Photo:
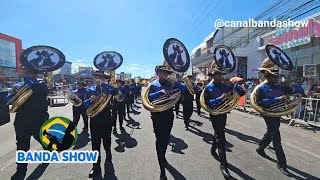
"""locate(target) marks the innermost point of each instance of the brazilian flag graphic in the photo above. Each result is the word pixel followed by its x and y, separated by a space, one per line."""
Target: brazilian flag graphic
pixel 58 133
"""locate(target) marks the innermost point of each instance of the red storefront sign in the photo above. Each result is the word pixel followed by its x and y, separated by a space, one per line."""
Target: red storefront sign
pixel 313 28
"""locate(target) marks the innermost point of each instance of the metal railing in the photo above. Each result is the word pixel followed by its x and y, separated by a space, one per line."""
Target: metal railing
pixel 54 101
pixel 307 113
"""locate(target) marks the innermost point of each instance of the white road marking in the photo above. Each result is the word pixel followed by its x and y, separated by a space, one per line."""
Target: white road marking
pixel 302 150
pixel 293 146
pixel 8 163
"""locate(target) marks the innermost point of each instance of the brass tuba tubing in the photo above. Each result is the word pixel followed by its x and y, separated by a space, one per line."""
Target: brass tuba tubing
pixel 21 97
pixel 162 103
pixel 225 106
pixel 74 99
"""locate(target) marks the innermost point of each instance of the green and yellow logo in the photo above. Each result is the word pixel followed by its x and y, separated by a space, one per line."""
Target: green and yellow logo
pixel 58 133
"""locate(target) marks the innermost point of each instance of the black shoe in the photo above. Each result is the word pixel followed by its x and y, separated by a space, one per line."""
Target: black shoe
pixel 262 153
pixel 224 171
pixel 94 171
pixel 19 175
pixel 284 171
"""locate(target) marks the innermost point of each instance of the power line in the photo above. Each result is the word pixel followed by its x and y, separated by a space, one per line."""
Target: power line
pixel 197 19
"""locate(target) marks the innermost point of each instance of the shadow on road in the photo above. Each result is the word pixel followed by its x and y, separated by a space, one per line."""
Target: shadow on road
pixel 195 123
pixel 174 172
pixel 132 123
pixel 239 172
pixel 38 172
pixel 136 106
pixel 228 146
pixel 177 145
pixel 243 137
pixel 206 137
pixel 233 168
pixel 83 140
pixel 124 141
pixel 297 174
pixel 205 117
pixel 135 112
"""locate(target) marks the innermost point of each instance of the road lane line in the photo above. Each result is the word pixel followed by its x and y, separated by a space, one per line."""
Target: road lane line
pixel 293 146
pixel 8 163
pixel 308 152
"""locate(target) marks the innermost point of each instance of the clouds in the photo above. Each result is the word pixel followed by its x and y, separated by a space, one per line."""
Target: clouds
pixel 136 70
pixel 132 67
pixel 142 70
pixel 78 63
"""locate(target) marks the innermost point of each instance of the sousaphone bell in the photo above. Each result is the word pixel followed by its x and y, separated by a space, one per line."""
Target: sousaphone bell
pixel 107 61
pixel 39 59
pixel 276 59
pixel 176 59
pixel 224 61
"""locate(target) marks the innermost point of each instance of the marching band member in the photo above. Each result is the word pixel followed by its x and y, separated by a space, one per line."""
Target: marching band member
pixel 118 108
pixel 128 92
pixel 198 91
pixel 215 93
pixel 132 94
pixel 101 124
pixel 29 116
pixel 81 92
pixel 138 91
pixel 187 104
pixel 162 121
pixel 268 94
pixel 177 107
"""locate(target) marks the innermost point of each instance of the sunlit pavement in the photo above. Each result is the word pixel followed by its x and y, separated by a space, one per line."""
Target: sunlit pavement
pixel 188 153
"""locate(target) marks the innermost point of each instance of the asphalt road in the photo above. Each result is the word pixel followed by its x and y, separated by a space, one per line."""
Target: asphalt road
pixel 134 155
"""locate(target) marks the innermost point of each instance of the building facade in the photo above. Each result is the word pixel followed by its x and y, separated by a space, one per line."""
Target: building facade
pixel 123 76
pixel 301 44
pixel 10 50
pixel 84 74
pixel 63 73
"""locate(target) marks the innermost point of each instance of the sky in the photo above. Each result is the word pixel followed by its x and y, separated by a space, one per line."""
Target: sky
pixel 136 29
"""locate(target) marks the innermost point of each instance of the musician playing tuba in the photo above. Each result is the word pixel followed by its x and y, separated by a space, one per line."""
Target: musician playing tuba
pixel 217 92
pixel 101 121
pixel 162 94
pixel 272 99
pixel 219 97
pixel 99 106
pixel 198 90
pixel 163 120
pixel 30 104
pixel 81 93
pixel 118 107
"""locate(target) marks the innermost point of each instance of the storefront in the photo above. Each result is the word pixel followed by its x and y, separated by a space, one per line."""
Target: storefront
pixel 302 45
pixel 246 53
pixel 10 50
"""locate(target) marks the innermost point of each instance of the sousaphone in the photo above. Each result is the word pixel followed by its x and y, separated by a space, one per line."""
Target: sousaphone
pixel 225 62
pixel 39 59
pixel 107 61
pixel 277 59
pixel 177 59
